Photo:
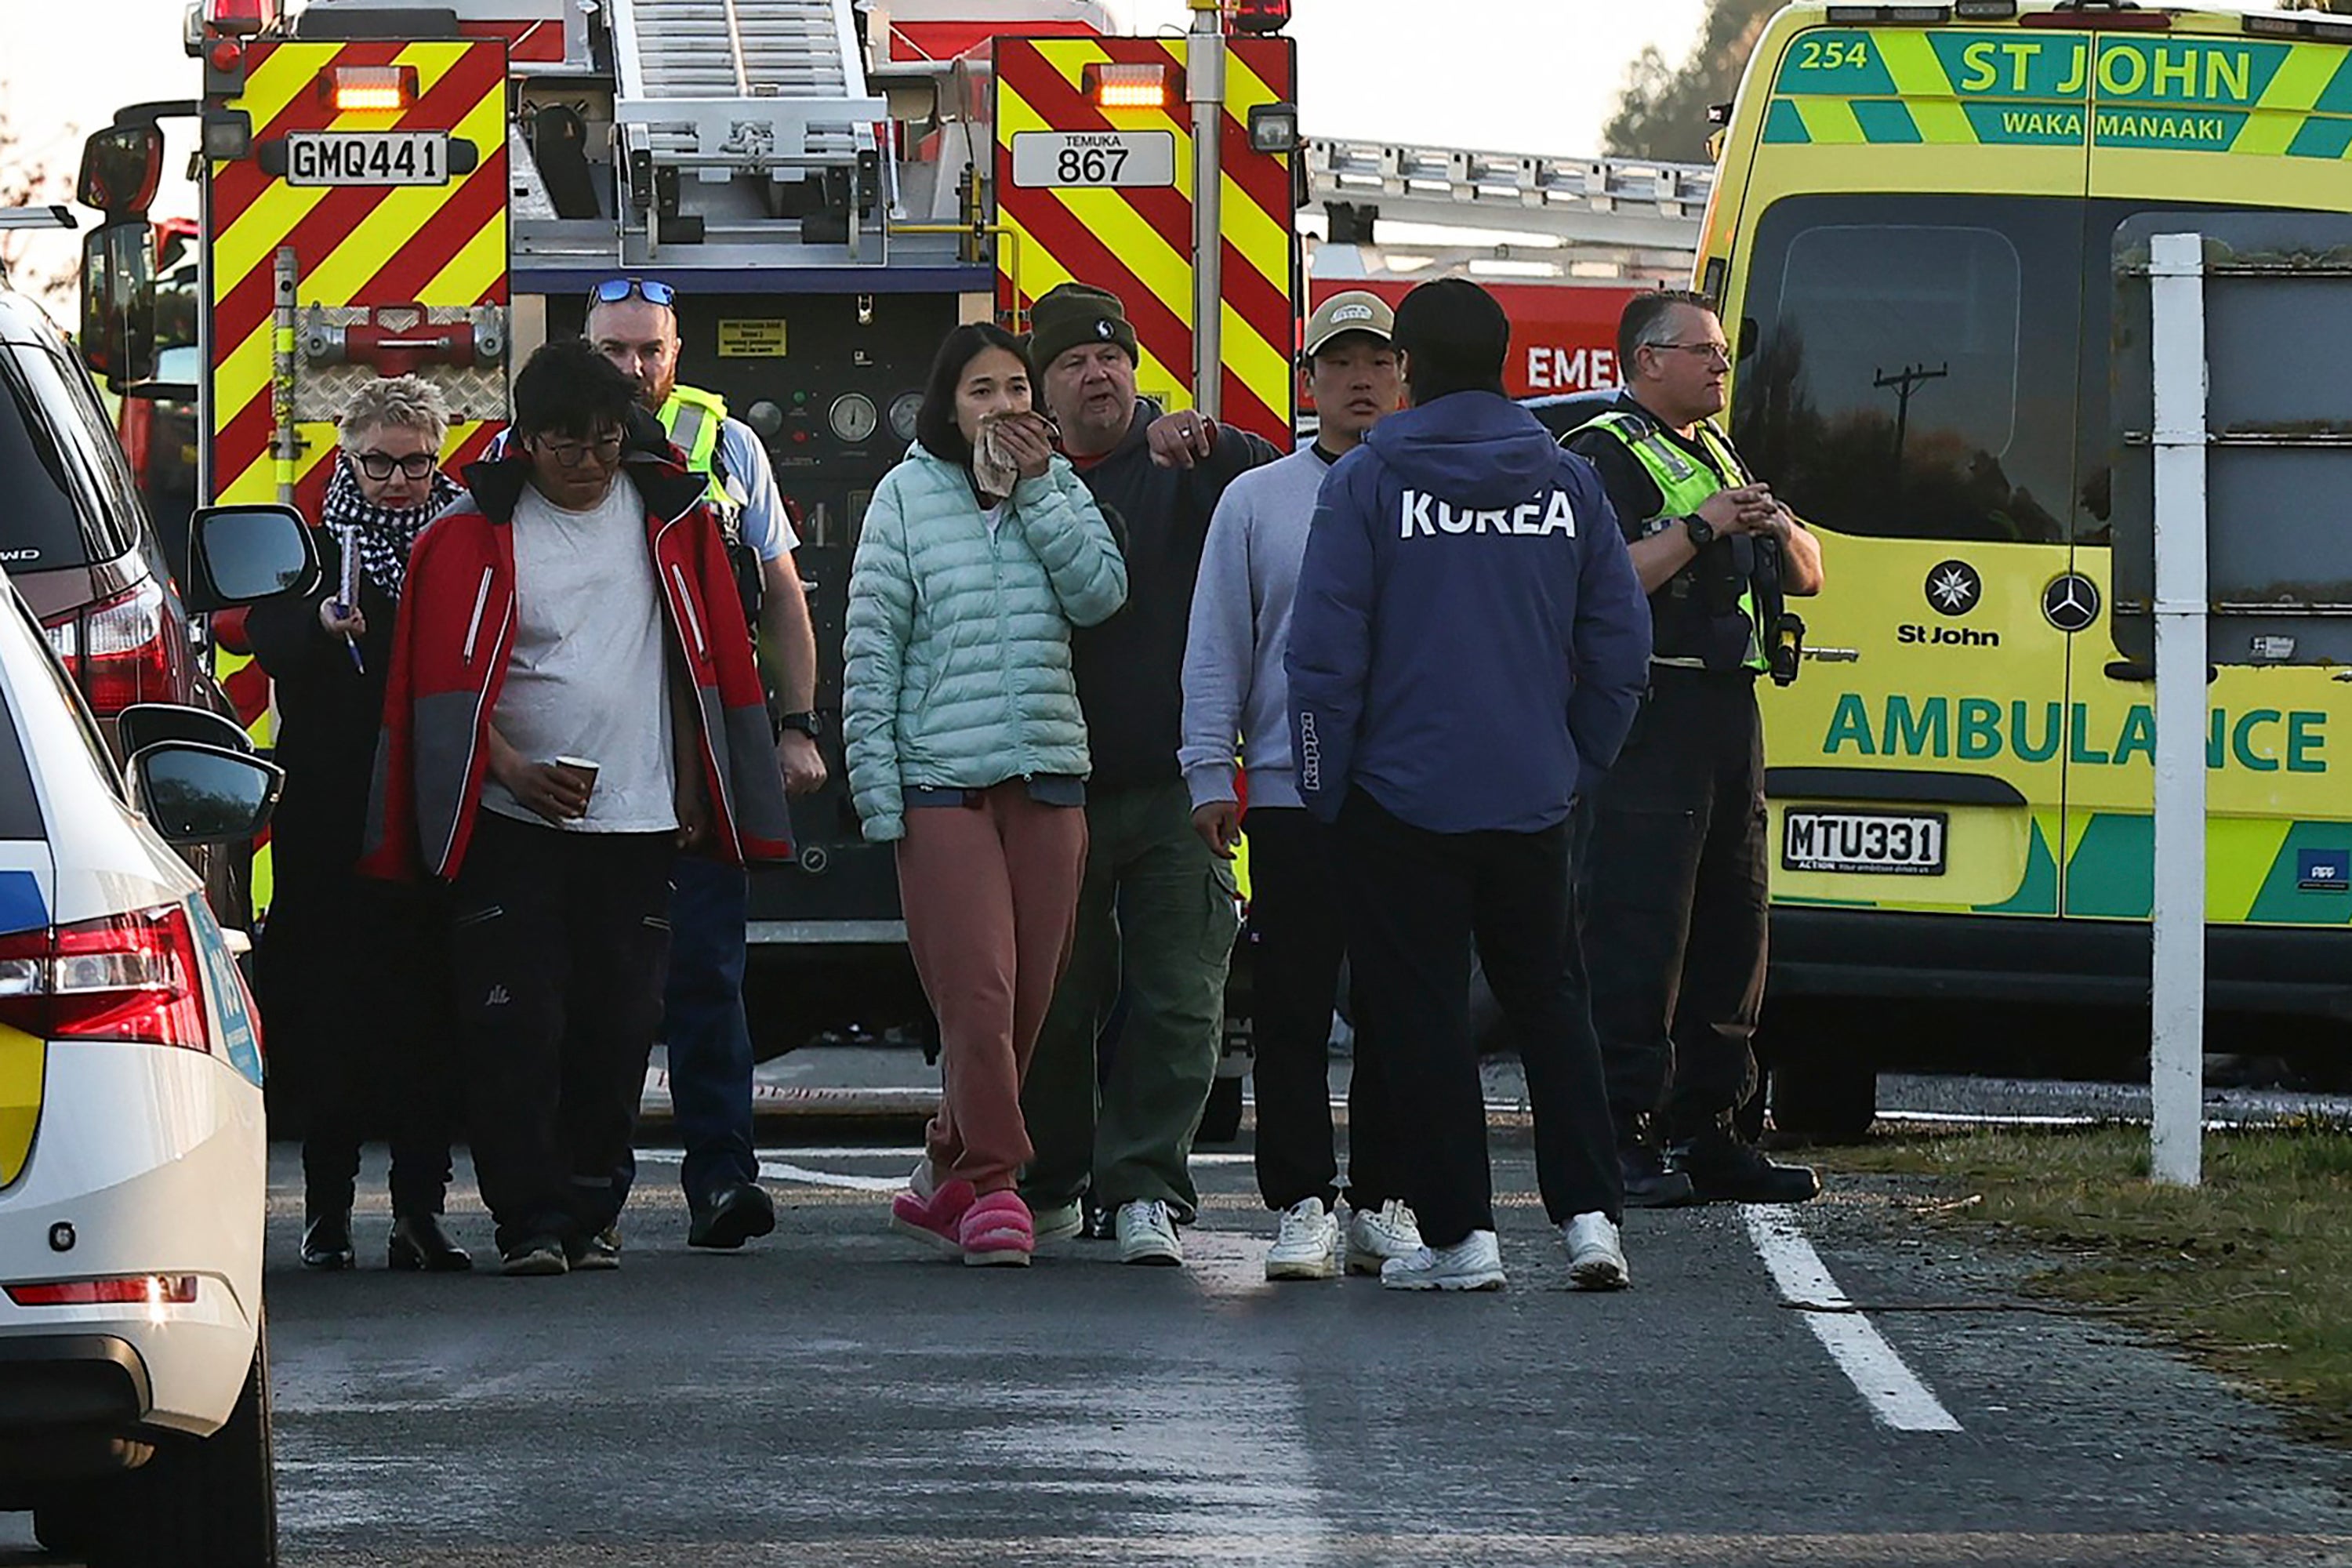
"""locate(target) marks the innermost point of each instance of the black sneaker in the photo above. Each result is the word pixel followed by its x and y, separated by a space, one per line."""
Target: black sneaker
pixel 732 1215
pixel 1725 1168
pixel 591 1254
pixel 1651 1182
pixel 535 1255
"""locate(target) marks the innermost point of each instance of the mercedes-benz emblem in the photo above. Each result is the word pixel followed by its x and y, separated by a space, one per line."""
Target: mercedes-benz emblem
pixel 1954 588
pixel 2070 603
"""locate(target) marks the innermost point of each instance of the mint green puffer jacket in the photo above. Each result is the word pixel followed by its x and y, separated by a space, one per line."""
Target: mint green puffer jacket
pixel 958 638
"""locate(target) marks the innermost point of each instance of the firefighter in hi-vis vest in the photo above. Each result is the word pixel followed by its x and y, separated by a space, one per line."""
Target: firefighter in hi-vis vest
pixel 632 322
pixel 1677 872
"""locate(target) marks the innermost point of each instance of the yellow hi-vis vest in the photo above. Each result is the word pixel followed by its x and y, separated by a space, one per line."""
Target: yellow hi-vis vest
pixel 693 419
pixel 1685 484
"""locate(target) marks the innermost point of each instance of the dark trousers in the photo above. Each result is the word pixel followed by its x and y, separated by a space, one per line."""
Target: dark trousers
pixel 374 1034
pixel 558 945
pixel 1416 901
pixel 1676 903
pixel 704 1027
pixel 1298 936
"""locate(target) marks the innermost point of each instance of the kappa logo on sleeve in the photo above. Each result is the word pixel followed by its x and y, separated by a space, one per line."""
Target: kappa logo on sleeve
pixel 1425 516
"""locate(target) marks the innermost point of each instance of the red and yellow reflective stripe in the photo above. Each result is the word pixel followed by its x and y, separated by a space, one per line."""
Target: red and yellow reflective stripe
pixel 1137 242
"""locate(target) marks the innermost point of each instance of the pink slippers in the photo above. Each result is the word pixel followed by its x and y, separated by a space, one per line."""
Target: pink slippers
pixel 933 1217
pixel 986 1231
pixel 997 1229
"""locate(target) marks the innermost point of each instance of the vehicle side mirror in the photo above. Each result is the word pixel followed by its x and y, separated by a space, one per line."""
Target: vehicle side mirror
pixel 145 724
pixel 195 794
pixel 117 301
pixel 240 554
pixel 120 168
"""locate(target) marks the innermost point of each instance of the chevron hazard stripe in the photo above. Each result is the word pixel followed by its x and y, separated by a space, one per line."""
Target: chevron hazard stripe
pixel 1137 240
pixel 353 245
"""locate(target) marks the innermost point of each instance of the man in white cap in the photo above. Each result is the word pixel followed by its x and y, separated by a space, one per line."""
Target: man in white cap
pixel 1235 686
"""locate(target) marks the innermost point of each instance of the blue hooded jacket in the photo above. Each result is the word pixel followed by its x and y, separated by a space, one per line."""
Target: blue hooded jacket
pixel 1469 643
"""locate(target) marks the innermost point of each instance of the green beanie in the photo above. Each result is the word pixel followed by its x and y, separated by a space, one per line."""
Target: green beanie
pixel 1073 315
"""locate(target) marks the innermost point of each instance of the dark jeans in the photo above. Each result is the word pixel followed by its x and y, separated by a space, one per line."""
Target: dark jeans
pixel 1416 901
pixel 560 941
pixel 1676 901
pixel 703 1025
pixel 379 1044
pixel 1297 935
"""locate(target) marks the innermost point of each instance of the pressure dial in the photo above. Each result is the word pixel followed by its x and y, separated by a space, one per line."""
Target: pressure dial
pixel 854 417
pixel 905 409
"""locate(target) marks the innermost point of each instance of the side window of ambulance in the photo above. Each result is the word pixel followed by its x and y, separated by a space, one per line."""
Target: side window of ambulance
pixel 1914 367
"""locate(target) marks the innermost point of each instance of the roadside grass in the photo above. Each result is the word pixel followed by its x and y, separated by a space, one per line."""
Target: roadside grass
pixel 2251 1273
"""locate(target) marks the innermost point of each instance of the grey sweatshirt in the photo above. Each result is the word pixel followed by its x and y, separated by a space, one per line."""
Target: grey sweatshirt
pixel 1233 683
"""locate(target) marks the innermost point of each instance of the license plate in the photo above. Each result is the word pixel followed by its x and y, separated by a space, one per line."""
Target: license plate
pixel 1874 843
pixel 367 158
pixel 1115 159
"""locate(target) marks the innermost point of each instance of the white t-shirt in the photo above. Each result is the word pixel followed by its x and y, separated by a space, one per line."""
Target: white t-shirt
pixel 589 676
pixel 992 515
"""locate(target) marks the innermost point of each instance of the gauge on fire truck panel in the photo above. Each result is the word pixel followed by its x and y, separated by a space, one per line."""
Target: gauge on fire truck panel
pixel 905 409
pixel 853 417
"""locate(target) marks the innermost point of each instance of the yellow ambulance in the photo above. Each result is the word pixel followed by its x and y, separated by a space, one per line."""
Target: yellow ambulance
pixel 1916 240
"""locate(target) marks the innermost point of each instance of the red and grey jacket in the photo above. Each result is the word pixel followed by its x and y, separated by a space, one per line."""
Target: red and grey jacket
pixel 455 634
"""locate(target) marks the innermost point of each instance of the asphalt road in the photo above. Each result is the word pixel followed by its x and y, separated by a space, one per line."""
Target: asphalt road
pixel 832 1396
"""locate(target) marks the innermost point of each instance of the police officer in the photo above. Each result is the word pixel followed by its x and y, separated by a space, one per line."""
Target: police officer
pixel 1467 642
pixel 1677 890
pixel 632 322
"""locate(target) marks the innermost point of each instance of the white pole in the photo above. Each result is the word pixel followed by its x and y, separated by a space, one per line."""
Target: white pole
pixel 1204 84
pixel 2177 1046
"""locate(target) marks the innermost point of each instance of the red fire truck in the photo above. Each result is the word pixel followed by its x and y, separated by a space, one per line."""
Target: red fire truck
pixel 390 186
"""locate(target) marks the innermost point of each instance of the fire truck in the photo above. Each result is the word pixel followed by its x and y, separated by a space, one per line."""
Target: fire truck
pixel 388 187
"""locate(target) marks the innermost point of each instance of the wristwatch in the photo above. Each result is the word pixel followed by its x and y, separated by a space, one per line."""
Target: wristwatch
pixel 1700 531
pixel 811 723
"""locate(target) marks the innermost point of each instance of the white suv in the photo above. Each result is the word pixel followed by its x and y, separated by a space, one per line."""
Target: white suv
pixel 134 1399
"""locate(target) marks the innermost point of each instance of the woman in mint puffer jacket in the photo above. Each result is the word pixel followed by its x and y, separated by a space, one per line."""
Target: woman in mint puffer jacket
pixel 967 749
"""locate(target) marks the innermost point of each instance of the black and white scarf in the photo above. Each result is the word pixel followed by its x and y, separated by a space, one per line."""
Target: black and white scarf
pixel 383 536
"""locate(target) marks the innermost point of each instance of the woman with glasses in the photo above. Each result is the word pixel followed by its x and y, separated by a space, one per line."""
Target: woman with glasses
pixel 968 750
pixel 349 968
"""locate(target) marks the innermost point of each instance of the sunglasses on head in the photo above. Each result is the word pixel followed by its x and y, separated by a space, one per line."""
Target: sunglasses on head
pixel 612 290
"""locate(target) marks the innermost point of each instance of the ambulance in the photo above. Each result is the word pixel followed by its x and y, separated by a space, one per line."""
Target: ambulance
pixel 1925 220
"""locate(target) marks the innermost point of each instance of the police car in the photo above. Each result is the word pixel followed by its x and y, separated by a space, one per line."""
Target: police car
pixel 134 1401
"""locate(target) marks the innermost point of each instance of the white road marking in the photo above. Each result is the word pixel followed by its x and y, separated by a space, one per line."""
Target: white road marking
pixel 1894 1391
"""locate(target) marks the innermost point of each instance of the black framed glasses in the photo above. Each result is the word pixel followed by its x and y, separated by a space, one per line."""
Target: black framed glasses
pixel 652 290
pixel 573 454
pixel 381 465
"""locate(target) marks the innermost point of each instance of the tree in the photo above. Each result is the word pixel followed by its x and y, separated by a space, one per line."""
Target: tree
pixel 35 260
pixel 1661 110
pixel 2318 5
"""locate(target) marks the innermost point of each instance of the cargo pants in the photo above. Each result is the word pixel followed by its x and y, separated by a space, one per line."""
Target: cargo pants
pixel 1156 925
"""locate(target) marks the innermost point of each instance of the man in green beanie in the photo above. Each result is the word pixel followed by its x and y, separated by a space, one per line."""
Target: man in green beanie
pixel 1157 914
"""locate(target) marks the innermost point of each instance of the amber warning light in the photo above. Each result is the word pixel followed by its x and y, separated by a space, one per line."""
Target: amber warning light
pixel 372 90
pixel 1114 85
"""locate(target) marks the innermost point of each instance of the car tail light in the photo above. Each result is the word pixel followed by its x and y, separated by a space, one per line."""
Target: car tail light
pixel 136 1290
pixel 130 977
pixel 120 651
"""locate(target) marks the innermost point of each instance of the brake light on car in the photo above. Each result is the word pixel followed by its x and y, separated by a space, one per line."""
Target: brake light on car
pixel 134 1290
pixel 119 650
pixel 130 977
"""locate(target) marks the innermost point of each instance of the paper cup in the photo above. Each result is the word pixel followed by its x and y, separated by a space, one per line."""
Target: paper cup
pixel 582 767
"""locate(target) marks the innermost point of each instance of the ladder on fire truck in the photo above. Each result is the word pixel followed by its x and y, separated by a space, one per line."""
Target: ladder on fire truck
pixel 1573 217
pixel 729 109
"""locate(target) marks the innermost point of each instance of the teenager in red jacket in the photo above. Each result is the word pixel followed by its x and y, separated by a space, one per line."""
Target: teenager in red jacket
pixel 572 702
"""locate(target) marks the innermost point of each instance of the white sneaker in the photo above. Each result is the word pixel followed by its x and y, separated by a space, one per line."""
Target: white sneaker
pixel 1145 1233
pixel 1375 1235
pixel 1059 1222
pixel 1308 1244
pixel 1596 1259
pixel 1473 1262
